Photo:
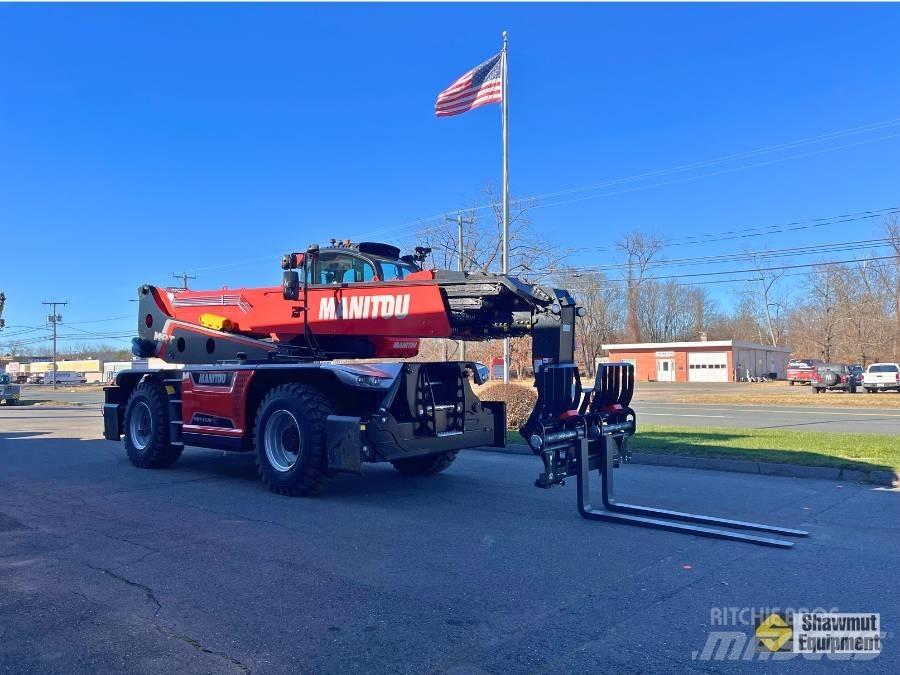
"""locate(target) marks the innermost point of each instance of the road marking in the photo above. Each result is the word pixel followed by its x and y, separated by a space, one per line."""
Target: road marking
pixel 783 411
pixel 646 414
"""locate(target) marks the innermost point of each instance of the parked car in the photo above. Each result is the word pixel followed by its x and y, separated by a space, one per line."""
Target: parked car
pixel 858 372
pixel 882 377
pixel 35 378
pixel 9 392
pixel 802 370
pixel 833 377
pixel 64 377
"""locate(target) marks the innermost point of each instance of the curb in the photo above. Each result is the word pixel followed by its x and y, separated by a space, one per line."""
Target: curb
pixel 878 477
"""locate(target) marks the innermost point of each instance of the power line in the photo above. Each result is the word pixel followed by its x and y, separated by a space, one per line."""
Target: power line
pixel 648 174
pixel 766 230
pixel 719 173
pixel 773 268
pixel 685 167
pixel 835 247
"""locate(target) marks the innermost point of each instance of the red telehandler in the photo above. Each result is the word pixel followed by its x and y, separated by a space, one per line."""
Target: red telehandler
pixel 263 373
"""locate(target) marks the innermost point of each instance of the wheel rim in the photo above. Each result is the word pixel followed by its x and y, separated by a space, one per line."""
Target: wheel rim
pixel 282 440
pixel 140 428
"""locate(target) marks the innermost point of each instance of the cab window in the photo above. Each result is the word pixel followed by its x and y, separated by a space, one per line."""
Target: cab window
pixel 341 268
pixel 392 270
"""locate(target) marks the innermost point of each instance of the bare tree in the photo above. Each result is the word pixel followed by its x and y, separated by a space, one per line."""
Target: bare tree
pixel 529 254
pixel 602 322
pixel 766 292
pixel 639 250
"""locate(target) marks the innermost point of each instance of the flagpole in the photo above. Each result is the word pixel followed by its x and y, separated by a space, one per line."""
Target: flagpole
pixel 504 108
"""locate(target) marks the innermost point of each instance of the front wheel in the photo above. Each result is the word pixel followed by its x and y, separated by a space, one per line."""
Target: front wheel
pixel 147 427
pixel 425 465
pixel 290 443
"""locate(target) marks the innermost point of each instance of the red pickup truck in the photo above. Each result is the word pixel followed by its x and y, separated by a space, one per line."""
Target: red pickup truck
pixel 802 370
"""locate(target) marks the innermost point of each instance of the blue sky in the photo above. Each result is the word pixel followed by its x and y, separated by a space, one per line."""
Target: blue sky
pixel 136 141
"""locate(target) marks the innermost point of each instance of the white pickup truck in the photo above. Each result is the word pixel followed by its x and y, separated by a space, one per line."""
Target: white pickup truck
pixel 9 392
pixel 881 377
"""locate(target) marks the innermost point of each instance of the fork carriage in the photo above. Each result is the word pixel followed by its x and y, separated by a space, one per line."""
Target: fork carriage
pixel 575 431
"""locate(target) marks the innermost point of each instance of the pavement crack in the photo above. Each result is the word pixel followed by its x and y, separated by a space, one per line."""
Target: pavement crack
pixel 206 650
pixel 148 592
pixel 125 540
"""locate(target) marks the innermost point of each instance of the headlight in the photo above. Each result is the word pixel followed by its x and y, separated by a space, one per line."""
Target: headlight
pixel 368 380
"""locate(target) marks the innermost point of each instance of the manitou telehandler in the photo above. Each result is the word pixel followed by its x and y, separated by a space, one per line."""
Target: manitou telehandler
pixel 262 373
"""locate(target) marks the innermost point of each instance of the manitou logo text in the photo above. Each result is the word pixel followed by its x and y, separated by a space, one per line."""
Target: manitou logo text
pixel 212 379
pixel 365 307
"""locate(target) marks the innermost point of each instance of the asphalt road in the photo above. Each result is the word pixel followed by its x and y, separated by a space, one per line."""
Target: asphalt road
pixel 799 418
pixel 198 569
pixel 653 411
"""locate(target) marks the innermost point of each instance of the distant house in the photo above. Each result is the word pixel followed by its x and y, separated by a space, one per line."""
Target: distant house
pixel 703 361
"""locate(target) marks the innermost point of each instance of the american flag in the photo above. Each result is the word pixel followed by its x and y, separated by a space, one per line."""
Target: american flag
pixel 480 86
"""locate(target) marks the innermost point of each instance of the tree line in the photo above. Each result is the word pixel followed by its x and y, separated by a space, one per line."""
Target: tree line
pixel 834 311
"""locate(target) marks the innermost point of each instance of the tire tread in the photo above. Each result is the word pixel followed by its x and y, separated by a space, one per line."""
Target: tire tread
pixel 315 476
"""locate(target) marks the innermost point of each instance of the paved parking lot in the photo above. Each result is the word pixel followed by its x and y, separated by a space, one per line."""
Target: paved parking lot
pixel 106 568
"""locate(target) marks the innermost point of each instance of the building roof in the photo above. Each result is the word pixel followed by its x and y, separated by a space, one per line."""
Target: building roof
pixel 728 344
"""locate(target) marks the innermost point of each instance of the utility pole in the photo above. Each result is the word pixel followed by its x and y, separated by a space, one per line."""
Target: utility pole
pixel 184 276
pixel 459 220
pixel 54 318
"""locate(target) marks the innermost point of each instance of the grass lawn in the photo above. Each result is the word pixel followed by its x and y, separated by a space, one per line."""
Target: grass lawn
pixel 865 452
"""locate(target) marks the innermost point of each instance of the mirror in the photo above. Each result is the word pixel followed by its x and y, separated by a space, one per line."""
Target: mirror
pixel 290 285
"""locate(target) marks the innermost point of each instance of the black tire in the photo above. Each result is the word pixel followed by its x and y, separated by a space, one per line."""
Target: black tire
pixel 305 432
pixel 426 464
pixel 791 382
pixel 816 390
pixel 149 447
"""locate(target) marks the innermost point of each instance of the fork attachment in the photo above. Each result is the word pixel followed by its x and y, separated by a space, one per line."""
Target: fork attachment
pixel 576 431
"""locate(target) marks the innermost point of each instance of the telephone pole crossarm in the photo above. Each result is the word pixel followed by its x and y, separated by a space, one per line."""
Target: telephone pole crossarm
pixel 55 319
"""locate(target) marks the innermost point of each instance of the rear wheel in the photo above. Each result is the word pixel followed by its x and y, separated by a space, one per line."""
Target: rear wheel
pixel 791 382
pixel 147 427
pixel 291 451
pixel 425 465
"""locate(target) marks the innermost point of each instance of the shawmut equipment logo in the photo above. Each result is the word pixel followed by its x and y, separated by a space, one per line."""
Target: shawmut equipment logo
pixel 394 306
pixel 773 633
pixel 782 634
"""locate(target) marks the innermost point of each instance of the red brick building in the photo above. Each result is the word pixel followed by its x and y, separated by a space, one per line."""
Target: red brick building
pixel 705 361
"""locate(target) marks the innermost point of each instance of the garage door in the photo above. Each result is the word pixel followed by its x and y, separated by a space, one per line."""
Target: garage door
pixel 708 367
